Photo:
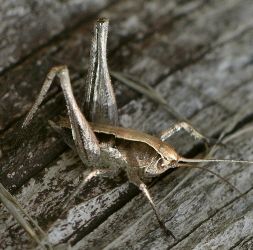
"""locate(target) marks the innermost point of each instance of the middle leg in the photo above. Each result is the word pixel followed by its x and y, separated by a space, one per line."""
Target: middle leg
pixel 86 180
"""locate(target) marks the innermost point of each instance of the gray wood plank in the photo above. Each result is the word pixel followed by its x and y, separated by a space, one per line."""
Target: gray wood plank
pixel 27 25
pixel 201 62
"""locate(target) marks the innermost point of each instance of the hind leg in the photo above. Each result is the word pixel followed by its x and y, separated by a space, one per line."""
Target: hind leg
pixel 99 104
pixel 85 140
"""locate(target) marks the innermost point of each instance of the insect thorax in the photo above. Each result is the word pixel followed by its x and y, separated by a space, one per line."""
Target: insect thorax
pixel 119 153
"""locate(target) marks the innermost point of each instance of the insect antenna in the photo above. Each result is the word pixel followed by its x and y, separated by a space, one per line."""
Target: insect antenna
pixel 213 173
pixel 182 159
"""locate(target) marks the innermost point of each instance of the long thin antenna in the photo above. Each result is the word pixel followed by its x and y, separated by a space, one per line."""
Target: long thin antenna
pixel 214 173
pixel 182 159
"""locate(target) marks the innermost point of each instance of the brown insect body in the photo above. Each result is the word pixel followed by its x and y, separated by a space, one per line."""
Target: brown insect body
pixel 147 152
pixel 166 152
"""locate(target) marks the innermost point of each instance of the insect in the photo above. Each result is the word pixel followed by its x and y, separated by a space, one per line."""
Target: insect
pixel 96 135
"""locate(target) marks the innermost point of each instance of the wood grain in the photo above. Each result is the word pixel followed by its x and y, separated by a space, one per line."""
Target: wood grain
pixel 197 55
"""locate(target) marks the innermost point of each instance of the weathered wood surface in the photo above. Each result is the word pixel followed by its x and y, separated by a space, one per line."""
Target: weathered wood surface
pixel 197 54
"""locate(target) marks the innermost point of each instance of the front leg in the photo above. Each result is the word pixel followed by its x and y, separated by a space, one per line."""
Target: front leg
pixel 135 179
pixel 164 135
pixel 85 140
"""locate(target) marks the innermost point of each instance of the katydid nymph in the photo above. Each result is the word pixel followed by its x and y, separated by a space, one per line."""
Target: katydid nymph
pixel 96 135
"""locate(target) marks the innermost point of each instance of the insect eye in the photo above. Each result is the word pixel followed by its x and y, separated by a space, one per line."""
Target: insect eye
pixel 161 166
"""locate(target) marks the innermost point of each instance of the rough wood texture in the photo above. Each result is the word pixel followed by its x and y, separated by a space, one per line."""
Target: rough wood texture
pixel 197 54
